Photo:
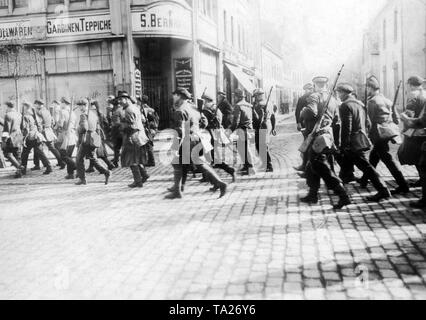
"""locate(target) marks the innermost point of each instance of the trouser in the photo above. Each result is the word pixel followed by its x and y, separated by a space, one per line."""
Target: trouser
pixel 38 151
pixel 215 156
pixel 244 150
pixel 319 168
pixel 150 154
pixel 66 156
pixel 181 173
pixel 359 159
pixel 53 150
pixel 421 168
pixel 117 141
pixel 260 138
pixel 381 152
pixel 139 173
pixel 14 156
pixel 347 169
pixel 87 152
pixel 105 160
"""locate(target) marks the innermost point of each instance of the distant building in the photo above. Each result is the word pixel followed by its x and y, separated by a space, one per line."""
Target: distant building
pixel 394 44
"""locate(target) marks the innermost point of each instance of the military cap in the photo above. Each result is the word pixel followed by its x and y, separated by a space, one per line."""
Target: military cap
pixel 373 83
pixel 125 95
pixel 145 98
pixel 65 101
pixel 26 103
pixel 320 79
pixel 221 93
pixel 258 92
pixel 110 98
pixel 416 81
pixel 39 102
pixel 239 93
pixel 55 102
pixel 82 102
pixel 308 86
pixel 183 93
pixel 345 87
pixel 10 104
pixel 207 97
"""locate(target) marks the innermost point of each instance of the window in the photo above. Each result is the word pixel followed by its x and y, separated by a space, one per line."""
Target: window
pixel 385 80
pixel 88 57
pixel 4 4
pixel 55 1
pixel 384 34
pixel 232 31
pixel 395 26
pixel 225 26
pixel 20 3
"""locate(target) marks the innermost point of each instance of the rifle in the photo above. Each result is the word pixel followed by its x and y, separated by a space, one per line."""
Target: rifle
pixel 395 100
pixel 274 133
pixel 310 139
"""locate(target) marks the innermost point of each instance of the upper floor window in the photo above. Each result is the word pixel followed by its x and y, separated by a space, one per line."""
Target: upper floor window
pixel 55 1
pixel 395 25
pixel 384 34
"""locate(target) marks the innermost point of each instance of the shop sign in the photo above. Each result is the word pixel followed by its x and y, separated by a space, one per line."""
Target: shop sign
pixel 83 25
pixel 163 20
pixel 183 72
pixel 138 84
pixel 55 27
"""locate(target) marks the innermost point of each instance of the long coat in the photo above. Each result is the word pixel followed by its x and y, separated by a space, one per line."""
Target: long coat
pixel 353 115
pixel 135 139
pixel 380 112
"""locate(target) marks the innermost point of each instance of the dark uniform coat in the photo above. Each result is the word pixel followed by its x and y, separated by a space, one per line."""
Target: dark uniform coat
pixel 301 104
pixel 243 116
pixel 380 112
pixel 227 111
pixel 353 116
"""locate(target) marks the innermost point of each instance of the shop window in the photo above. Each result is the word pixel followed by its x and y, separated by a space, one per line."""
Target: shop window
pixel 20 3
pixel 79 58
pixel 4 4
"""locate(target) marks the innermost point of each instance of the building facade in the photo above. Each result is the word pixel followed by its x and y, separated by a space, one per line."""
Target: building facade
pixel 394 45
pixel 94 48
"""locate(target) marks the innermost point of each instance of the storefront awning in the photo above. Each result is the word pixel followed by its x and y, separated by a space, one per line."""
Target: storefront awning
pixel 242 78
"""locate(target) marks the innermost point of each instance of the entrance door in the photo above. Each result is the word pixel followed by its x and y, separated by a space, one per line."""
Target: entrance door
pixel 156 90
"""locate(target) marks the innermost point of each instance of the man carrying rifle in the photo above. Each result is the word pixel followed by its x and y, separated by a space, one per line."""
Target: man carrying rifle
pixel 67 136
pixel 384 119
pixel 89 141
pixel 264 126
pixel 12 137
pixel 354 140
pixel 44 121
pixel 320 116
pixel 33 139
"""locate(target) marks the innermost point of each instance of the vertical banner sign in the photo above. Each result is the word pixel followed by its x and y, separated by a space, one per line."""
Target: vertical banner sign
pixel 138 84
pixel 183 72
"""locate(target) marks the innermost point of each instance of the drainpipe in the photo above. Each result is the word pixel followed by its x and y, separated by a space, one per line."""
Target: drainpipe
pixel 194 49
pixel 403 55
pixel 130 47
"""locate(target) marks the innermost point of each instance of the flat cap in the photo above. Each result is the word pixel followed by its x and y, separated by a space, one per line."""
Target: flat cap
pixel 320 79
pixel 55 102
pixel 345 87
pixel 183 93
pixel 39 102
pixel 65 101
pixel 26 103
pixel 373 83
pixel 221 93
pixel 239 93
pixel 308 86
pixel 110 98
pixel 207 97
pixel 10 104
pixel 258 92
pixel 416 81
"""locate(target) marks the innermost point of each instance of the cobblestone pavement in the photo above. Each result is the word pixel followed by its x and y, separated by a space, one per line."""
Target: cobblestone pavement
pixel 65 242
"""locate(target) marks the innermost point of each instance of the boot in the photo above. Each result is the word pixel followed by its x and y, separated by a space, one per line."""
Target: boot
pixel 82 182
pixel 108 175
pixel 136 177
pixel 344 199
pixel 300 168
pixel 18 174
pixel 215 180
pixel 36 168
pixel 144 174
pixel 421 204
pixel 176 191
pixel 90 169
pixel 400 191
pixel 70 177
pixel 48 171
pixel 311 198
pixel 381 195
pixel 363 183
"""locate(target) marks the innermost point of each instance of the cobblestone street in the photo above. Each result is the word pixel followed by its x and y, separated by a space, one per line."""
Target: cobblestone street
pixel 65 242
